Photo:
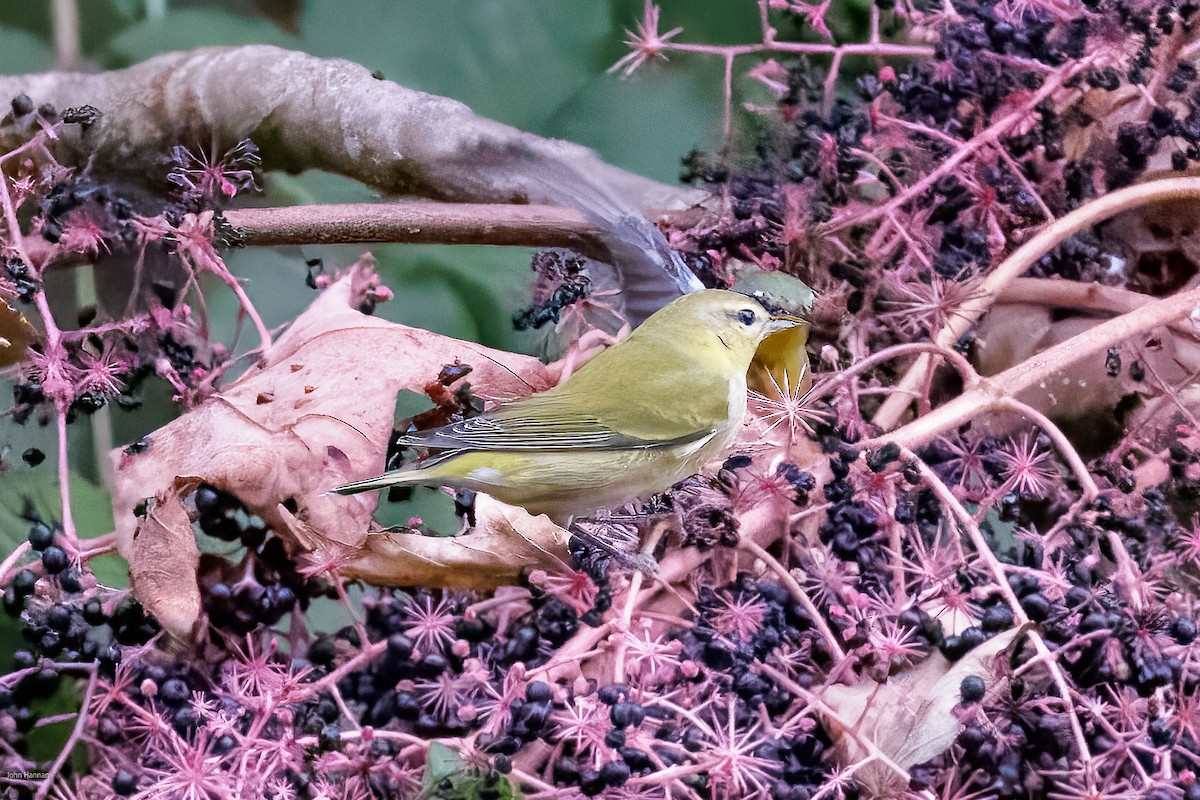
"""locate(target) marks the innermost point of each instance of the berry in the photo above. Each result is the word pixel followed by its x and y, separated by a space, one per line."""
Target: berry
pixel 124 783
pixel 330 738
pixel 175 691
pixel 878 460
pixel 58 618
pixel 624 715
pixel 1183 630
pixel 24 583
pixel 611 693
pixel 399 647
pixel 971 637
pixel 54 560
pixel 41 536
pixel 615 773
pixel 1036 607
pixel 209 499
pixel 997 618
pixel 972 689
pixel 539 692
pixel 322 651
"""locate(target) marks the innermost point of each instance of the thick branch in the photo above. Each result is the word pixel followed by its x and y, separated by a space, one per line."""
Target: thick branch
pixel 312 113
pixel 1076 296
pixel 1073 295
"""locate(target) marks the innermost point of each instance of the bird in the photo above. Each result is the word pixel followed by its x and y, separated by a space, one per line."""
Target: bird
pixel 639 417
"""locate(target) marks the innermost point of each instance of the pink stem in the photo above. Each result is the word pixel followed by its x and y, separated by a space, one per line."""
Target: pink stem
pixel 64 484
pixel 248 308
pixel 943 493
pixel 854 49
pixel 12 560
pixel 53 343
pixel 65 753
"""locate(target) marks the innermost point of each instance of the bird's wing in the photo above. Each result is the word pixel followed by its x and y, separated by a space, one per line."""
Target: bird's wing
pixel 542 423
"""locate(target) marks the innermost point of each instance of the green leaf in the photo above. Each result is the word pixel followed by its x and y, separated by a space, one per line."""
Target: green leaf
pixel 512 60
pixel 99 21
pixel 464 292
pixel 707 21
pixel 46 742
pixel 646 123
pixel 187 29
pixel 90 505
pixel 91 508
pixel 440 762
pixel 22 52
pixel 313 186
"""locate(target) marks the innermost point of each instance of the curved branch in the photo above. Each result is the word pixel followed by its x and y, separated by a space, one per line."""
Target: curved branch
pixel 1076 296
pixel 1025 256
pixel 1037 368
pixel 313 113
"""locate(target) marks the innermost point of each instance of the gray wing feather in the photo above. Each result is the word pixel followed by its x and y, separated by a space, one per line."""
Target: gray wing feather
pixel 524 433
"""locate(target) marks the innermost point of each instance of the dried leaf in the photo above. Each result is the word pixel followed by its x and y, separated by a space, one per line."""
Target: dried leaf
pixel 909 717
pixel 505 543
pixel 314 414
pixel 163 558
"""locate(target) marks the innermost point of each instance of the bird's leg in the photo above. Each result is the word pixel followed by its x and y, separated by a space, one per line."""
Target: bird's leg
pixel 632 541
pixel 618 536
pixel 656 531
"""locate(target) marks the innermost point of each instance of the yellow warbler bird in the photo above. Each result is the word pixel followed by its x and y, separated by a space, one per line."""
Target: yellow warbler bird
pixel 636 419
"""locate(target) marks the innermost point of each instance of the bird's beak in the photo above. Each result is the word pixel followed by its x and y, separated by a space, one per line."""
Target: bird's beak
pixel 781 322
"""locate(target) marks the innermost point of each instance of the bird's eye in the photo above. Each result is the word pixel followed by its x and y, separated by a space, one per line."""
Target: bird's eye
pixel 746 316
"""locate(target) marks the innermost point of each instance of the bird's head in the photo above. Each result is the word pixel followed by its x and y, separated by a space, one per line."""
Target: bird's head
pixel 735 323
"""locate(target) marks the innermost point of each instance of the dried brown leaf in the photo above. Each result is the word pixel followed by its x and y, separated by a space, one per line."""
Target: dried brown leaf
pixel 908 718
pixel 314 414
pixel 505 543
pixel 163 558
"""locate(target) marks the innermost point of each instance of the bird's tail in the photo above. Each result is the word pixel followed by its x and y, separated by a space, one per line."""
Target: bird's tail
pixel 399 477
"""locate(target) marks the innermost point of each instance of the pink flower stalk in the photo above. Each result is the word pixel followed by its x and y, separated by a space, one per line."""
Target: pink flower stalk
pixel 574 587
pixel 646 43
pixel 84 234
pixel 59 378
pixel 814 15
pixel 200 177
pixel 430 625
pixel 1027 468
